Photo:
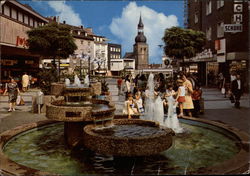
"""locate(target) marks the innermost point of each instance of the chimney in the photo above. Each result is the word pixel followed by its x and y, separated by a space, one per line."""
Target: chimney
pixel 64 22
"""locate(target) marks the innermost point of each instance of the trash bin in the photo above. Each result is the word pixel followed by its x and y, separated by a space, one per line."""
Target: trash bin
pixel 39 100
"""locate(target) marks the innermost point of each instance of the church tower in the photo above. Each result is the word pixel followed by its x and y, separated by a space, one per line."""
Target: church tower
pixel 141 48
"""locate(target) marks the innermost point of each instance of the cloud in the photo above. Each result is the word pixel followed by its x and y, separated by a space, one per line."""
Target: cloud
pixel 155 23
pixel 65 12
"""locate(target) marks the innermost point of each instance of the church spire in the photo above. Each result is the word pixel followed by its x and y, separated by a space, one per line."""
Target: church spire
pixel 140 36
pixel 140 24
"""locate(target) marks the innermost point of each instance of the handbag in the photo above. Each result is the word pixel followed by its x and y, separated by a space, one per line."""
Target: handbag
pixel 223 90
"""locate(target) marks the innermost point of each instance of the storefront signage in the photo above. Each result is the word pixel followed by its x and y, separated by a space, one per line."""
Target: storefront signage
pixel 221 58
pixel 21 42
pixel 232 27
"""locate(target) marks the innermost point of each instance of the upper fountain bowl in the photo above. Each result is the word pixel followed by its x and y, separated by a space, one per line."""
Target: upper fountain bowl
pixel 128 138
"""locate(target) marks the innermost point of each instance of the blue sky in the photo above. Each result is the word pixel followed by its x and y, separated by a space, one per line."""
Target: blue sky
pixel 117 20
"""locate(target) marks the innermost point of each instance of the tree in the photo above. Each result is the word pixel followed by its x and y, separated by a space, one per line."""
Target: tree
pixel 51 41
pixel 183 43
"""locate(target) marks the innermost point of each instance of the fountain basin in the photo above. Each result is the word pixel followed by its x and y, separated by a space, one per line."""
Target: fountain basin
pixel 77 112
pixel 50 156
pixel 128 138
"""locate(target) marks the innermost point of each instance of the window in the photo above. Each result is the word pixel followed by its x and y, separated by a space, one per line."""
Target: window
pixel 220 3
pixel 6 10
pixel 208 7
pixel 196 18
pixel 220 29
pixel 31 22
pixel 13 13
pixel 20 16
pixel 35 24
pixel 209 33
pixel 26 19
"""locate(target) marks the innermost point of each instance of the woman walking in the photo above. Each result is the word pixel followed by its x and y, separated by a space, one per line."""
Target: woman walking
pixel 13 91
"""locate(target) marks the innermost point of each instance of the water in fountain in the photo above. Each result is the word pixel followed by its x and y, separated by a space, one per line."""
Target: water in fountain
pixel 150 99
pixel 77 81
pixel 67 82
pixel 172 120
pixel 158 110
pixel 86 81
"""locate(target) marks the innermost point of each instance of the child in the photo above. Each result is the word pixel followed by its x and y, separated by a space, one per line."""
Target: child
pixel 130 107
pixel 180 96
pixel 138 102
pixel 196 96
pixel 169 93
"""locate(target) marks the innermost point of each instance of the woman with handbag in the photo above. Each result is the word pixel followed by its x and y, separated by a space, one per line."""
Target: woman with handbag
pixel 13 91
pixel 188 104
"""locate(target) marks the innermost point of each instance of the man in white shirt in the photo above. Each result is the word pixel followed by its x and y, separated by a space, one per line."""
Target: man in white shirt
pixel 237 86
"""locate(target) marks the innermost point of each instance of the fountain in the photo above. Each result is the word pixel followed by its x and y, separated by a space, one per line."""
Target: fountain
pixel 100 144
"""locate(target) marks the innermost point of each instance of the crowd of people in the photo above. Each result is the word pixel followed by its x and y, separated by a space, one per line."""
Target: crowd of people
pixel 185 90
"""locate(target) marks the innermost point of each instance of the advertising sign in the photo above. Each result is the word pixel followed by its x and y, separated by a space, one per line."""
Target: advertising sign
pixel 232 27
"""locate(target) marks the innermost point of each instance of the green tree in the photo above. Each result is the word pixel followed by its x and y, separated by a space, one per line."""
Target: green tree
pixel 51 41
pixel 183 43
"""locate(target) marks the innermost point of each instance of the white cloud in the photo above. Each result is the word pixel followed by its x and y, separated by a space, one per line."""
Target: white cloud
pixel 65 12
pixel 125 28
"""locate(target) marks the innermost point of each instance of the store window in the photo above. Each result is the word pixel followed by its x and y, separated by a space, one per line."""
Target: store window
pixel 220 3
pixel 6 10
pixel 208 7
pixel 14 14
pixel 220 29
pixel 209 33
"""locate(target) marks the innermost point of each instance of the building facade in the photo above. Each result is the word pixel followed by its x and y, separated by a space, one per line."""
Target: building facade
pixel 15 20
pixel 226 25
pixel 114 52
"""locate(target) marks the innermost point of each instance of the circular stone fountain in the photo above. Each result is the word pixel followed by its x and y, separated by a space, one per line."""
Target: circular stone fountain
pixel 128 138
pixel 209 148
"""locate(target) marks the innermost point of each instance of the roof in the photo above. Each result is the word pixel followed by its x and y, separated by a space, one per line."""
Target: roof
pixel 129 55
pixel 27 8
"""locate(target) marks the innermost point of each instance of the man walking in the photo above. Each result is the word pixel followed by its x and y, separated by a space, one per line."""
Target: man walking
pixel 237 86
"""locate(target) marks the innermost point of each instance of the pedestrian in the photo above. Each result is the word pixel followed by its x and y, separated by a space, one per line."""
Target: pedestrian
pixel 221 80
pixel 130 107
pixel 188 104
pixel 196 96
pixel 127 86
pixel 25 82
pixel 180 96
pixel 237 90
pixel 119 85
pixel 13 91
pixel 169 93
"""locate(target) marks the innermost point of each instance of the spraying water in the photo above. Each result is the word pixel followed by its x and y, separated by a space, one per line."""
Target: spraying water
pixel 172 120
pixel 67 82
pixel 86 81
pixel 77 81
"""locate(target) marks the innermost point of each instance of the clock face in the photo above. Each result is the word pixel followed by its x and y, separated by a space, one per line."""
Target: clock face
pixel 166 62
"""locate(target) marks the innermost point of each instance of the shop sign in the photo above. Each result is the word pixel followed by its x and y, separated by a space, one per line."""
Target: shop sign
pixel 21 42
pixel 221 58
pixel 8 62
pixel 29 62
pixel 232 27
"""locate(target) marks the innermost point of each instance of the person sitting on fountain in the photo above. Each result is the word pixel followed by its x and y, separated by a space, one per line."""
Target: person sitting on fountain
pixel 180 96
pixel 130 107
pixel 138 101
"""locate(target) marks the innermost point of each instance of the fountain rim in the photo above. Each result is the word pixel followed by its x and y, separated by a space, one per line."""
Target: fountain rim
pixel 89 130
pixel 231 166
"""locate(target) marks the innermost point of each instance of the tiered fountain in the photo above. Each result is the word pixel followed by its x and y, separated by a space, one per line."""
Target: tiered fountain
pixel 103 134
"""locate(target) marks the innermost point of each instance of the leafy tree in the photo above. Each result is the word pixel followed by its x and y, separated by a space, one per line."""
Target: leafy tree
pixel 51 41
pixel 183 43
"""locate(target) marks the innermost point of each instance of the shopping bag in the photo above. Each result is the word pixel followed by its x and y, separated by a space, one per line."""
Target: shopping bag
pixel 223 90
pixel 18 99
pixel 231 98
